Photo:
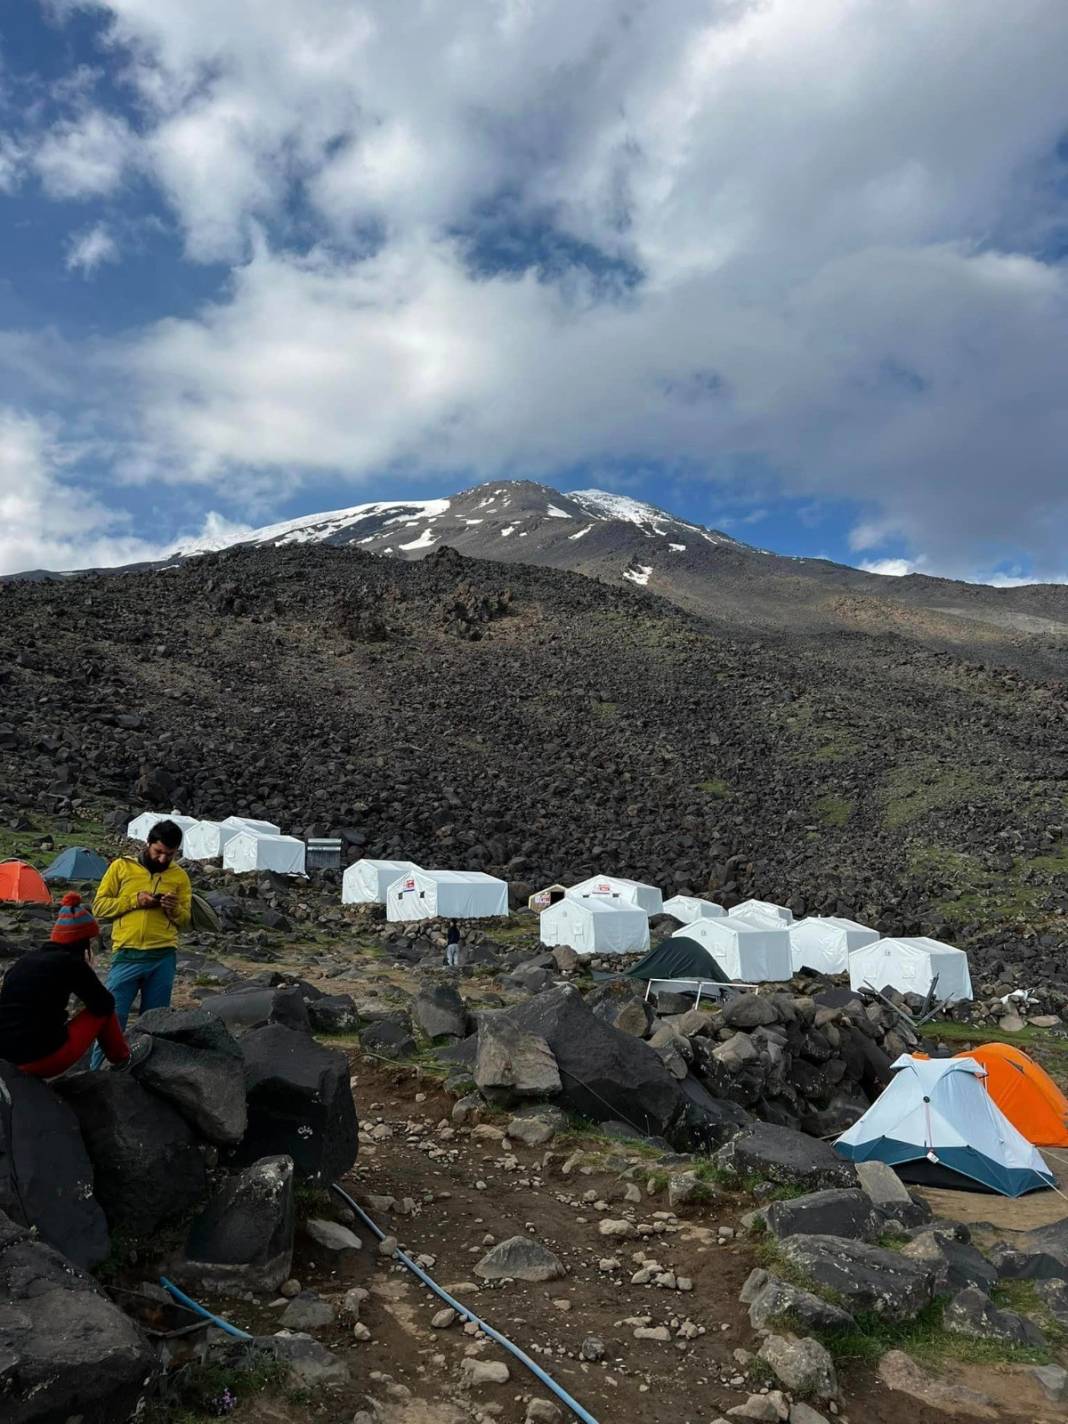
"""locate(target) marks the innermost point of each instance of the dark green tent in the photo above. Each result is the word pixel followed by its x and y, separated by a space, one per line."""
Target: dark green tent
pixel 202 914
pixel 678 957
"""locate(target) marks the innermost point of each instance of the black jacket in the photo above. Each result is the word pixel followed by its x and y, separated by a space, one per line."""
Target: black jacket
pixel 33 1001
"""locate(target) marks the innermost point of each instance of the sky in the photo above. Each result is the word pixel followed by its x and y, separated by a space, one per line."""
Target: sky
pixel 797 269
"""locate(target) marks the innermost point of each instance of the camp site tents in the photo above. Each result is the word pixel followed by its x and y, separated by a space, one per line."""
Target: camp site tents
pixel 246 823
pixel 543 898
pixel 596 926
pixel 140 826
pixel 910 966
pixel 614 887
pixel 679 958
pixel 937 1125
pixel 204 840
pixel 366 881
pixel 687 908
pixel 763 908
pixel 1024 1092
pixel 824 943
pixel 448 894
pixel 748 953
pixel 76 863
pixel 21 883
pixel 247 851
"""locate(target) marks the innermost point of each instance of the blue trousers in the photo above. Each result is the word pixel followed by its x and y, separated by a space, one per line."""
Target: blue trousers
pixel 139 971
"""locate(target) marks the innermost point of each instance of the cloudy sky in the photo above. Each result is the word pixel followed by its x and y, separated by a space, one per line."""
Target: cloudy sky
pixel 796 268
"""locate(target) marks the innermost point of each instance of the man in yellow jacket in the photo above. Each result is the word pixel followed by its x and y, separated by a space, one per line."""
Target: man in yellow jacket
pixel 148 901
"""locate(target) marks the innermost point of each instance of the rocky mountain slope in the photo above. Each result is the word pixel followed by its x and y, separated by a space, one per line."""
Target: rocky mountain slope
pixel 621 540
pixel 542 725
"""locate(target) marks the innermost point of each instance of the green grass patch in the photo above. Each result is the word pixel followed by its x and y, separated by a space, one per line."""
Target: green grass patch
pixel 834 810
pixel 604 711
pixel 1051 1050
pixel 912 791
pixel 925 1338
pixel 196 1393
pixel 964 892
pixel 20 845
pixel 715 787
pixel 1021 1297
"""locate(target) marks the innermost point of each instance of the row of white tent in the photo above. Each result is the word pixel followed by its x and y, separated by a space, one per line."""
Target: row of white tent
pixel 411 893
pixel 244 844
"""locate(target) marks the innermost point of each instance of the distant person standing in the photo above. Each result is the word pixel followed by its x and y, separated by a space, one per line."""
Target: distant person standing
pixel 148 901
pixel 452 945
pixel 35 1033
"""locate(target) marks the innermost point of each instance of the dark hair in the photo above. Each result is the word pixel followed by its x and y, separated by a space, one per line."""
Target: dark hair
pixel 167 833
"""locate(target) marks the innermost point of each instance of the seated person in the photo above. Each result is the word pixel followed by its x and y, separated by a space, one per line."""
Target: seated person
pixel 34 1031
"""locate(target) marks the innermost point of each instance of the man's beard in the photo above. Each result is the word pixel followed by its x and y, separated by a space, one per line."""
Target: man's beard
pixel 152 866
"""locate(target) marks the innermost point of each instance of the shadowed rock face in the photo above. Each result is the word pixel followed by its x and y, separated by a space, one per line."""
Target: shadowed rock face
pixel 544 726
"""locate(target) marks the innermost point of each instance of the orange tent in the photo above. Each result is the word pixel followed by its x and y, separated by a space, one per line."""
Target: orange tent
pixel 1025 1093
pixel 21 883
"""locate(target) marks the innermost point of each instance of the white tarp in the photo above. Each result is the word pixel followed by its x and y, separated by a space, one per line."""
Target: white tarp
pixel 140 826
pixel 206 839
pixel 759 909
pixel 246 823
pixel 910 965
pixel 596 926
pixel 748 953
pixel 687 908
pixel 247 851
pixel 366 881
pixel 824 943
pixel 615 887
pixel 446 894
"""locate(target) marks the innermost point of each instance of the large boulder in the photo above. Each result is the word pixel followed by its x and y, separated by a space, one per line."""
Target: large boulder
pixel 863 1277
pixel 779 1154
pixel 619 1002
pixel 147 1167
pixel 196 1064
pixel 299 1104
pixel 605 1073
pixel 243 1240
pixel 511 1065
pixel 65 1351
pixel 772 1301
pixel 333 1013
pixel 252 1006
pixel 972 1312
pixel 46 1177
pixel 520 1258
pixel 956 1264
pixel 837 1211
pixel 439 1011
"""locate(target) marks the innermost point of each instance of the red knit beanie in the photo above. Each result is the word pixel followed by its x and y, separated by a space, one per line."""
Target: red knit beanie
pixel 75 923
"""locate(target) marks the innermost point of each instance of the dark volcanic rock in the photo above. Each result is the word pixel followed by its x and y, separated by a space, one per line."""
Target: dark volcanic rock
pixel 838 1211
pixel 242 1009
pixel 197 1066
pixel 243 1240
pixel 146 1165
pixel 46 1177
pixel 605 1073
pixel 299 1104
pixel 863 1277
pixel 66 1352
pixel 439 1011
pixel 778 1154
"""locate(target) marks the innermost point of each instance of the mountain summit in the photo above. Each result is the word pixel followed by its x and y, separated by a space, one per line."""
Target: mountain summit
pixel 624 541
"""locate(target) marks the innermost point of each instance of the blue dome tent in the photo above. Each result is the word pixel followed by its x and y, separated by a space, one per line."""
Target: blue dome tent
pixel 76 863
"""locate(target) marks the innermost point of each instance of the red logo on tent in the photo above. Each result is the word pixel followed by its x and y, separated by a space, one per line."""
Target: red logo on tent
pixel 409 884
pixel 604 889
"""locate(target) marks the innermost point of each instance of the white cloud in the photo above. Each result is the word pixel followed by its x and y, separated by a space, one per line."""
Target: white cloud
pixel 892 568
pixel 84 157
pixel 47 522
pixel 12 156
pixel 89 249
pixel 834 207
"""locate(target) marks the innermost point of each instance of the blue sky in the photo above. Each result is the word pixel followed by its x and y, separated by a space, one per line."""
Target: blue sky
pixel 795 271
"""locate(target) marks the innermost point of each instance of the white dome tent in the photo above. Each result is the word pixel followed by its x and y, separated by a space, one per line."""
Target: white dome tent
pixel 248 851
pixel 246 823
pixel 446 894
pixel 824 943
pixel 687 908
pixel 367 881
pixel 763 909
pixel 615 887
pixel 596 926
pixel 936 1124
pixel 910 966
pixel 747 953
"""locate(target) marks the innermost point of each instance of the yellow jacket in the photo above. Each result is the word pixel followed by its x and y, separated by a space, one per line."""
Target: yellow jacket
pixel 116 899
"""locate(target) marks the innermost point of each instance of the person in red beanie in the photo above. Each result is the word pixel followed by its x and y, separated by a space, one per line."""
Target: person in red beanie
pixel 35 1033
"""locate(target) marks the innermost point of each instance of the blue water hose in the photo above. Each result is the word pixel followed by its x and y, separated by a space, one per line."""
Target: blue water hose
pixel 197 1309
pixel 466 1314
